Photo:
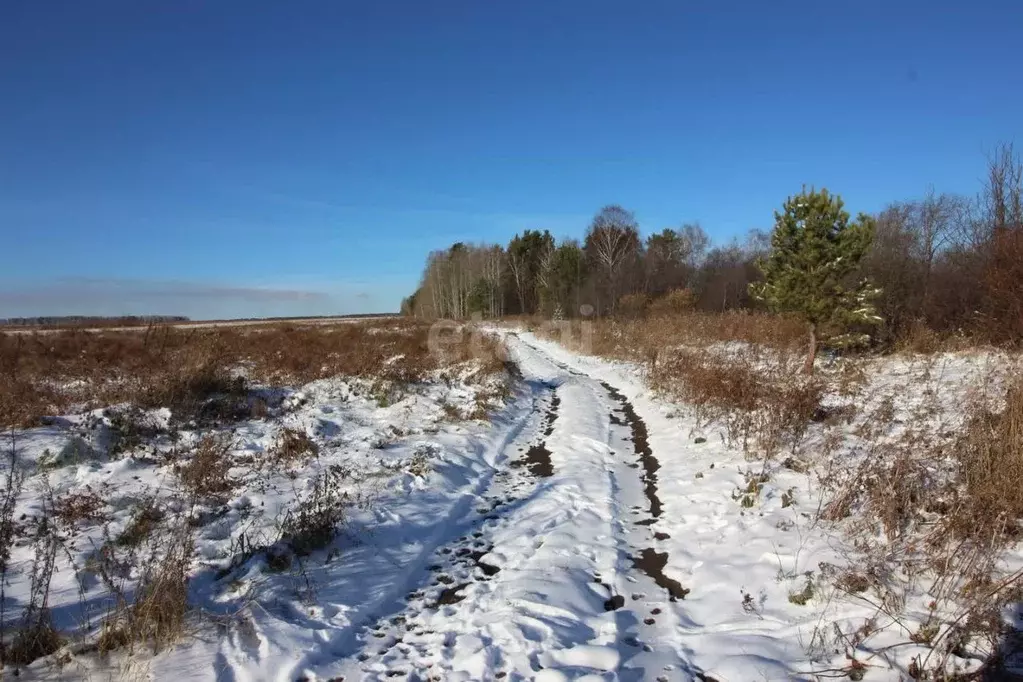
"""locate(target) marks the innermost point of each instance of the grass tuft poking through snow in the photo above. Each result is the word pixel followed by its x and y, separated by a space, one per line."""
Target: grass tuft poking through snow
pixel 990 453
pixel 154 612
pixel 312 522
pixel 206 474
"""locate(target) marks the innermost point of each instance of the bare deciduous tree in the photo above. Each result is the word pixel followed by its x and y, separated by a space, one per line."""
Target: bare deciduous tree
pixel 612 244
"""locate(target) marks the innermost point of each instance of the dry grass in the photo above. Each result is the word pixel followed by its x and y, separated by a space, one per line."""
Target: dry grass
pixel 766 406
pixel 13 482
pixel 35 635
pixel 292 447
pixel 928 491
pixel 313 521
pixel 195 372
pixel 33 640
pixel 646 337
pixel 75 508
pixel 894 486
pixel 706 382
pixel 204 376
pixel 697 329
pixel 937 504
pixel 207 473
pixel 919 338
pixel 970 478
pixel 990 454
pixel 155 613
pixel 144 520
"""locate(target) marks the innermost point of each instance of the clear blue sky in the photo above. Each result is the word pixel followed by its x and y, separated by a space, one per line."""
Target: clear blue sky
pixel 228 158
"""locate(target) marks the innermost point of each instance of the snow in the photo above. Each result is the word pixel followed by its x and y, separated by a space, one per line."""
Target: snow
pixel 478 568
pixel 716 548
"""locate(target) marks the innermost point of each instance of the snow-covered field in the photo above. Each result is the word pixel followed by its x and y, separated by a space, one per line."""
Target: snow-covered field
pixel 588 531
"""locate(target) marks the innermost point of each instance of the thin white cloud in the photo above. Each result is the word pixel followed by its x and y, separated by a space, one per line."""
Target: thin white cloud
pixel 196 299
pixel 84 290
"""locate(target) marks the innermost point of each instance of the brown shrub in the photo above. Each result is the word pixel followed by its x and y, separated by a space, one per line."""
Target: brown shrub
pixel 762 403
pixel 645 339
pixel 205 395
pixel 130 428
pixel 703 381
pixel 917 337
pixel 990 455
pixel 773 331
pixel 292 446
pixel 796 403
pixel 312 522
pixel 896 492
pixel 206 473
pixel 676 302
pixel 632 305
pixel 75 508
pixel 144 520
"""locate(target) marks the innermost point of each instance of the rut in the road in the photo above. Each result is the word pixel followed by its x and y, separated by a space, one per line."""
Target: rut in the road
pixel 538 457
pixel 642 447
pixel 649 560
pixel 458 565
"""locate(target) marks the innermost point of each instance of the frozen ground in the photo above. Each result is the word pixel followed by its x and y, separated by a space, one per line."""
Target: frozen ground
pixel 589 532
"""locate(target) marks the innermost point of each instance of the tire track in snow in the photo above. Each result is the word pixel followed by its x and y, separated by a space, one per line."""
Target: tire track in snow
pixel 518 597
pixel 659 620
pixel 643 607
pixel 351 640
pixel 406 645
pixel 649 560
pixel 647 622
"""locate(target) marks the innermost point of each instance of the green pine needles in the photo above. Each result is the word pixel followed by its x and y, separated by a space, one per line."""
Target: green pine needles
pixel 810 270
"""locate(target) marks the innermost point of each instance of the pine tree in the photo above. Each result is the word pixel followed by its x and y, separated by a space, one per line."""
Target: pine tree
pixel 815 249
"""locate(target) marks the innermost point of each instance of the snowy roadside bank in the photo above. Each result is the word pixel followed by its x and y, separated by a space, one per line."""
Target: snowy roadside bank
pixel 826 574
pixel 370 482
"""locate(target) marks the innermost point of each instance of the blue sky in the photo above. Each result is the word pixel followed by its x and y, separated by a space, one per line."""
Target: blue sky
pixel 229 158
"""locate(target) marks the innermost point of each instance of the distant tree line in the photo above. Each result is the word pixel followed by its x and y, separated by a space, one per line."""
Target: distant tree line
pixel 942 262
pixel 535 274
pixel 96 320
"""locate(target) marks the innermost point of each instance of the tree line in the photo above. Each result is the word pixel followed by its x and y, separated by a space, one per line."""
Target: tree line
pixel 943 262
pixel 98 320
pixel 613 270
